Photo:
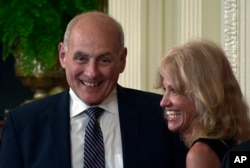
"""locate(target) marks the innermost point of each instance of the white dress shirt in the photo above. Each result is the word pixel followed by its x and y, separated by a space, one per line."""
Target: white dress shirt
pixel 110 125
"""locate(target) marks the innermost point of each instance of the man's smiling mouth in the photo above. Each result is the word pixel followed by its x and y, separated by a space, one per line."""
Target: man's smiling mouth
pixel 91 84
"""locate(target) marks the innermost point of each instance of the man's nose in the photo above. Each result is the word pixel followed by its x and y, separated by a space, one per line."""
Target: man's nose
pixel 91 69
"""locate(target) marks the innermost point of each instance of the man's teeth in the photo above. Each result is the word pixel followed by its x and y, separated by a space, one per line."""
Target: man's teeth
pixel 91 84
pixel 173 113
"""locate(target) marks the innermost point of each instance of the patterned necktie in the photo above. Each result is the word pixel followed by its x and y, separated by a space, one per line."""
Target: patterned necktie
pixel 93 144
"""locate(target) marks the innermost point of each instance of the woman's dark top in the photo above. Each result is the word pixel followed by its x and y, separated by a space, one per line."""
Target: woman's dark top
pixel 217 145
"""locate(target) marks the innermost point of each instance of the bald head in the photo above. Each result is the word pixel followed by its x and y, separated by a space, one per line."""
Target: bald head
pixel 94 22
pixel 93 56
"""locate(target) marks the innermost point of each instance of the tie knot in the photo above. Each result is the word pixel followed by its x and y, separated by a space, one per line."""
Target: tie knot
pixel 94 112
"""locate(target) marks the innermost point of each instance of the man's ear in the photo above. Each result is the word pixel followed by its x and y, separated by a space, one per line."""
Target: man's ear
pixel 61 51
pixel 123 57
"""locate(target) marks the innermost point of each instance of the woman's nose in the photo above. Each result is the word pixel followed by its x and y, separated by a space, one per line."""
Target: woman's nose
pixel 165 101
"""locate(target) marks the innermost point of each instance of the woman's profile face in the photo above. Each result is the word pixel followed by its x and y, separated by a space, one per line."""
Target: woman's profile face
pixel 179 109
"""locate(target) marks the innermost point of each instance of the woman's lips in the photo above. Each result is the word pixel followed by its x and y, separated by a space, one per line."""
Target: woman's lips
pixel 172 114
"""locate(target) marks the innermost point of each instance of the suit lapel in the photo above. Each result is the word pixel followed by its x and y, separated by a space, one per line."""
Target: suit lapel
pixel 128 116
pixel 60 127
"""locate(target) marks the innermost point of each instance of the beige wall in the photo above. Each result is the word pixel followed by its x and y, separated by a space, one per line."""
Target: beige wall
pixel 152 26
pixel 211 19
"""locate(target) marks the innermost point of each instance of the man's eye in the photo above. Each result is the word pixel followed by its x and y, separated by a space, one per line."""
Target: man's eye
pixel 81 59
pixel 104 61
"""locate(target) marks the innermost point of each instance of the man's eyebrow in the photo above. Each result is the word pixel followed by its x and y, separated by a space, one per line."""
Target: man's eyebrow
pixel 80 53
pixel 105 54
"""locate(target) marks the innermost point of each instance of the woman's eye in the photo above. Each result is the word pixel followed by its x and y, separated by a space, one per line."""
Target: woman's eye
pixel 172 89
pixel 169 89
pixel 174 92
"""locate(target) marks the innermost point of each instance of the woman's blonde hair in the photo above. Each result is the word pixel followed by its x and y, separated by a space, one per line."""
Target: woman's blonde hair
pixel 201 70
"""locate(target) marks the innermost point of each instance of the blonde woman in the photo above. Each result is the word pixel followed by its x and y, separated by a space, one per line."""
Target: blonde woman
pixel 203 101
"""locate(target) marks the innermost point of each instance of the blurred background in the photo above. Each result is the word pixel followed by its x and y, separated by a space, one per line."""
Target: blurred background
pixel 151 27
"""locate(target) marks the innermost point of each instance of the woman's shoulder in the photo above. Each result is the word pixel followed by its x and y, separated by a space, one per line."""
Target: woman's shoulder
pixel 220 147
pixel 202 155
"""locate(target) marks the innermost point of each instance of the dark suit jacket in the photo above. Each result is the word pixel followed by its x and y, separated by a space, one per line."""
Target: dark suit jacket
pixel 37 135
pixel 244 147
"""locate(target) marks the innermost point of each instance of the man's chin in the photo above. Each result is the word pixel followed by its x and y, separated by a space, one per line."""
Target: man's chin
pixel 93 100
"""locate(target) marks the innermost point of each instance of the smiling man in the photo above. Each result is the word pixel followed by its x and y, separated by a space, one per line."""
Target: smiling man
pixel 93 55
pixel 53 132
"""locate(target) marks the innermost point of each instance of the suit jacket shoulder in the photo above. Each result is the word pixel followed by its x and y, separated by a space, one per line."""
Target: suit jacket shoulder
pixel 137 96
pixel 42 128
pixel 244 147
pixel 146 140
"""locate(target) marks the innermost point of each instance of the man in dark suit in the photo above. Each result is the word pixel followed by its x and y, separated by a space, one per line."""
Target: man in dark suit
pixel 50 132
pixel 230 160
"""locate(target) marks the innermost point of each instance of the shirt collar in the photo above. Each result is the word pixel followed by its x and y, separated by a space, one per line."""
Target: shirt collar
pixel 77 106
